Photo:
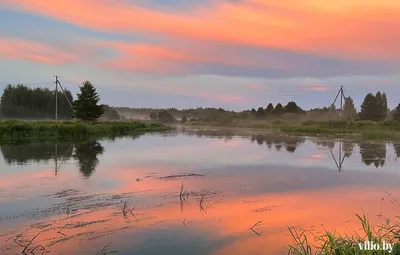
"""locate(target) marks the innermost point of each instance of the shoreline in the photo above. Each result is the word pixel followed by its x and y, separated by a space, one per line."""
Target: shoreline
pixel 364 130
pixel 14 131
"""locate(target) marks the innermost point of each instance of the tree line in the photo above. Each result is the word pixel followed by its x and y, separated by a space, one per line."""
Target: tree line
pixel 374 107
pixel 278 110
pixel 24 102
pixel 39 103
pixel 34 103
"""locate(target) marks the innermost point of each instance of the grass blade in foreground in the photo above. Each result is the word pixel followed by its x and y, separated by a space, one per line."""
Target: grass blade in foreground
pixel 374 240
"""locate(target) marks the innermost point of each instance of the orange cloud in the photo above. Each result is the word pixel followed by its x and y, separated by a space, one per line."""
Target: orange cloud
pixel 348 29
pixel 35 52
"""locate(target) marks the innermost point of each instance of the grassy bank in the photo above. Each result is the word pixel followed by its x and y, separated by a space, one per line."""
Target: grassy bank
pixel 12 131
pixel 367 130
pixel 330 242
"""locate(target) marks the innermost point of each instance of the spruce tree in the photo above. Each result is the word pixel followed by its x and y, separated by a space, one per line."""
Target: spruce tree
pixel 379 103
pixel 349 109
pixel 291 107
pixel 396 114
pixel 381 106
pixel 260 113
pixel 368 108
pixel 270 109
pixel 384 106
pixel 278 109
pixel 86 107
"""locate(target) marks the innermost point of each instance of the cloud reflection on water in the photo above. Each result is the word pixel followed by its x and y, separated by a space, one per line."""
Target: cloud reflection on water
pixel 232 184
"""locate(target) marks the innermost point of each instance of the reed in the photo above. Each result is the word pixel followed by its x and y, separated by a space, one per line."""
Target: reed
pixel 330 242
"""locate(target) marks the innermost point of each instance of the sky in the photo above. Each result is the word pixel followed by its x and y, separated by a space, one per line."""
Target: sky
pixel 235 54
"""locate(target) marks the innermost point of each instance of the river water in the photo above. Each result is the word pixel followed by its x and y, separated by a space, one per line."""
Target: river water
pixel 193 192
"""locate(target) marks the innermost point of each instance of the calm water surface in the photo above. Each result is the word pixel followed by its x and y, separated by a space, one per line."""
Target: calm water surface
pixel 197 192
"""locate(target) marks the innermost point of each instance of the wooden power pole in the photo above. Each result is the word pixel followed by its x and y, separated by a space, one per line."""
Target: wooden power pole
pixel 57 82
pixel 342 98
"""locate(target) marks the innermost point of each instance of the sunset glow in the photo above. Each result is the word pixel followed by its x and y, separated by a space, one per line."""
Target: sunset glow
pixel 142 46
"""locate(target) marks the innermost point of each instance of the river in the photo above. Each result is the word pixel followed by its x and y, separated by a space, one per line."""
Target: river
pixel 192 192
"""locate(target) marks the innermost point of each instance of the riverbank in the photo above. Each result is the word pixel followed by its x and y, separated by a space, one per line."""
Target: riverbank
pixel 365 130
pixel 14 131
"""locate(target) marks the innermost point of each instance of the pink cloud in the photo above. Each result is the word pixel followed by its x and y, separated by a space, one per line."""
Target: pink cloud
pixel 35 52
pixel 77 80
pixel 174 59
pixel 224 98
pixel 142 65
pixel 317 88
pixel 217 97
pixel 348 29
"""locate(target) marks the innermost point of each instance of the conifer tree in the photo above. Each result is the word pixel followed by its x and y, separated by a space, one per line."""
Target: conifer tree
pixel 86 107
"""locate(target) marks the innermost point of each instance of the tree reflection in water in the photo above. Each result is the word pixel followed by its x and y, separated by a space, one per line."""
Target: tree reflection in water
pixel 289 142
pixel 396 147
pixel 24 153
pixel 86 154
pixel 373 153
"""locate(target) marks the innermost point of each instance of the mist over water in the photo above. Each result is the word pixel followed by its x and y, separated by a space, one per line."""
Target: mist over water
pixel 189 192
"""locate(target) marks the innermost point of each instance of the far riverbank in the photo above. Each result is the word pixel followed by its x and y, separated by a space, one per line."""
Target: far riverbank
pixel 365 130
pixel 16 130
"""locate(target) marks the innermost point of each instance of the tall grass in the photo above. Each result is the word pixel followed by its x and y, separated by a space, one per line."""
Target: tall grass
pixel 12 130
pixel 379 135
pixel 367 130
pixel 331 243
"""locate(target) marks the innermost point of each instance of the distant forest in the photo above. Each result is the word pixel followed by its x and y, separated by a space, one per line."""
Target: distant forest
pixel 22 102
pixel 39 103
pixel 374 108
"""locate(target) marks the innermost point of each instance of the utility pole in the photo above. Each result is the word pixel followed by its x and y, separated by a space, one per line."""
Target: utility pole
pixel 56 82
pixel 339 163
pixel 56 159
pixel 342 97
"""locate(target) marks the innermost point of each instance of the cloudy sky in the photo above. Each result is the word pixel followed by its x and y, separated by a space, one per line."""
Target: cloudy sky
pixel 235 54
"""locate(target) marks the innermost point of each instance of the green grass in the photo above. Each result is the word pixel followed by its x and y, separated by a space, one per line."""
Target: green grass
pixel 379 135
pixel 331 243
pixel 366 130
pixel 12 130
